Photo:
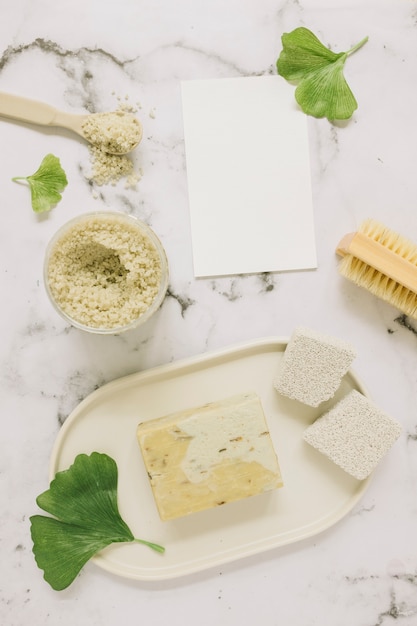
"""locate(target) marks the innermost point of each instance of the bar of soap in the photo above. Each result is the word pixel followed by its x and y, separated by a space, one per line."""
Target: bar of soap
pixel 313 366
pixel 355 434
pixel 209 456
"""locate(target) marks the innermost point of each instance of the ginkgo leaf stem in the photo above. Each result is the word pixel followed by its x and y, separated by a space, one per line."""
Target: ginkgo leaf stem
pixel 358 45
pixel 154 546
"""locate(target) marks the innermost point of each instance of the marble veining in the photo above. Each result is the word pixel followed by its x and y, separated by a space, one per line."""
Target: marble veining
pixel 403 321
pixel 183 301
pixel 91 56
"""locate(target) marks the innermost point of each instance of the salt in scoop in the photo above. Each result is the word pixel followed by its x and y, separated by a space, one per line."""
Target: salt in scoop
pixel 115 132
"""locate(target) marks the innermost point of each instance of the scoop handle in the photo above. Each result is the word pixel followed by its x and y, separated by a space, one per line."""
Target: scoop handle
pixel 35 112
pixel 27 110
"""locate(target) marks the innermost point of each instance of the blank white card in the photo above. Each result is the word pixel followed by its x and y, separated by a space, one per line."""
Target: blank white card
pixel 248 173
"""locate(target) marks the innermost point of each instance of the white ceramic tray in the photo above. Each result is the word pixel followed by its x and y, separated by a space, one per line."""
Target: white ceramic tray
pixel 316 493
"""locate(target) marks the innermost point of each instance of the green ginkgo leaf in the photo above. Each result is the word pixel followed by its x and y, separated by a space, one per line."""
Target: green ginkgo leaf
pixel 83 500
pixel 46 184
pixel 322 89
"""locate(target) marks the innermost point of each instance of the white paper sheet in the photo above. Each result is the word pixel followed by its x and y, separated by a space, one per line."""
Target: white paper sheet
pixel 248 173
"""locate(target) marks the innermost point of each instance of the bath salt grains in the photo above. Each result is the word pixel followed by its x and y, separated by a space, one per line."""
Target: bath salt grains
pixel 110 168
pixel 116 131
pixel 104 271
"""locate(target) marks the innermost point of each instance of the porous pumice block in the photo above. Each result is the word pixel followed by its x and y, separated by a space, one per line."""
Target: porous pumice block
pixel 355 434
pixel 313 366
pixel 208 456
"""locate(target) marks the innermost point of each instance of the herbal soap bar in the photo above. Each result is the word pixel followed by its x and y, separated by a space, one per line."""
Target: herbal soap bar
pixel 208 456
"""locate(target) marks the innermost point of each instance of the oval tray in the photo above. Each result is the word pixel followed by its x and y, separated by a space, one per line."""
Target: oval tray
pixel 316 493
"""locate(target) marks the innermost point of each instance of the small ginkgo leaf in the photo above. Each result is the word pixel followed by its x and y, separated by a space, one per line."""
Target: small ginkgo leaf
pixel 46 184
pixel 322 90
pixel 83 500
pixel 325 93
pixel 302 53
pixel 61 550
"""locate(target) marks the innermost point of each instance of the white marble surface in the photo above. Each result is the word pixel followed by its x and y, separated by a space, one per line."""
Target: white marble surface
pixel 80 56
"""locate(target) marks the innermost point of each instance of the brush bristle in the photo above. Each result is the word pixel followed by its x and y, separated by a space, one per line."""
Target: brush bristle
pixel 376 283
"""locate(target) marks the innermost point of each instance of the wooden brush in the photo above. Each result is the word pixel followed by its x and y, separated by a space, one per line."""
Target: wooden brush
pixel 383 262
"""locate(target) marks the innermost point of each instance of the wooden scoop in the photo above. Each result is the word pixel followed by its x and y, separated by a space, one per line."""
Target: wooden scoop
pixel 105 125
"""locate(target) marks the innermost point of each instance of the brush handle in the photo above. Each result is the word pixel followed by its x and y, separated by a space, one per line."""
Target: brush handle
pixel 380 258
